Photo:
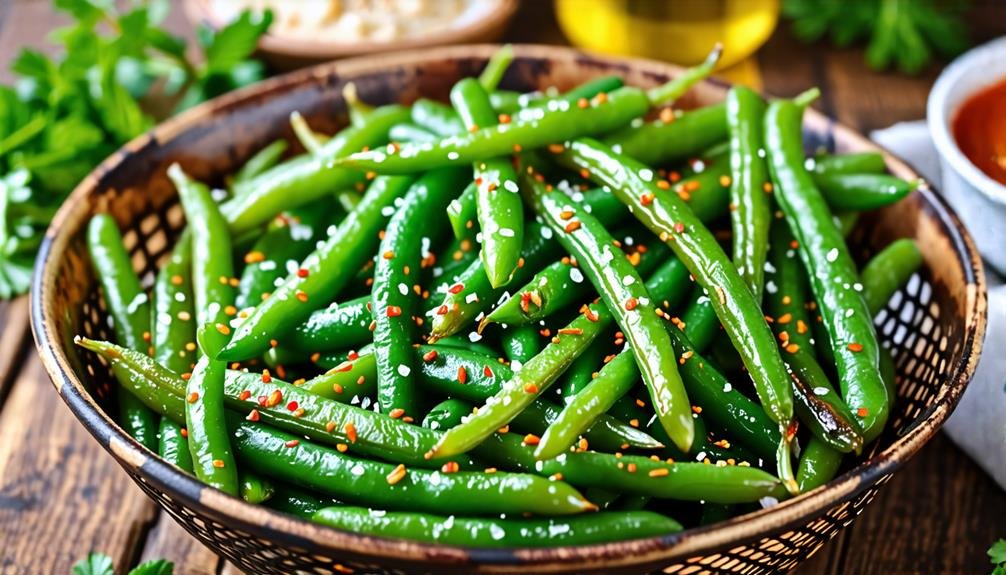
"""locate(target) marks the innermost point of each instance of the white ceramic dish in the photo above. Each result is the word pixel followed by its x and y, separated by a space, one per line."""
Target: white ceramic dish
pixel 978 199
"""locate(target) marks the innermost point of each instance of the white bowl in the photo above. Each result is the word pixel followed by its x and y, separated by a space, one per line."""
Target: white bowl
pixel 978 199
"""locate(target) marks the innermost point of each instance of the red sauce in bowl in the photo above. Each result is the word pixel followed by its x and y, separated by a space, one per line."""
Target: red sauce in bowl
pixel 980 130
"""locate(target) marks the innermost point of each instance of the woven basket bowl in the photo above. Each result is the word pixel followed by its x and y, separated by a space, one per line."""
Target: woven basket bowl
pixel 934 327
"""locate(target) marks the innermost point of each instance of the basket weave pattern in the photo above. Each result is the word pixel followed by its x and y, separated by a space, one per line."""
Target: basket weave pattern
pixel 933 327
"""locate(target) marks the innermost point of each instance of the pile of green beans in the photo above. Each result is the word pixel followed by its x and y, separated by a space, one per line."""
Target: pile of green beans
pixel 497 322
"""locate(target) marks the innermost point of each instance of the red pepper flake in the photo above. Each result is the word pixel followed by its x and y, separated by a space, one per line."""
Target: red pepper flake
pixel 244 395
pixel 273 343
pixel 462 375
pixel 583 103
pixel 572 226
pixel 361 380
pixel 250 258
pixel 393 311
pixel 231 310
pixel 274 398
pixel 503 118
pixel 396 413
pixel 330 426
pixel 456 288
pixel 223 329
pixel 185 433
pixel 531 439
pixel 266 377
pixel 601 98
pixel 350 430
pixel 631 467
pixel 792 348
pixel 590 314
pixel 679 228
pixel 292 406
pixel 545 332
pixel 631 304
pixel 449 467
pixel 442 310
pixel 785 318
pixel 531 388
pixel 303 273
pixel 219 463
pixel 767 187
pixel 193 397
pixel 397 474
pixel 430 355
pixel 660 472
pixel 342 367
pixel 302 296
pixel 570 331
pixel 855 347
pixel 292 443
pixel 646 199
pixel 566 214
pixel 801 327
pixel 862 412
pixel 337 388
pixel 696 409
pixel 341 447
pixel 487 371
pixel 634 422
pixel 253 415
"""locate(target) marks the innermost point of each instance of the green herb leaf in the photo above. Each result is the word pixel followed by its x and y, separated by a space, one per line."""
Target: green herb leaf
pixel 902 33
pixel 94 564
pixel 997 553
pixel 236 41
pixel 156 567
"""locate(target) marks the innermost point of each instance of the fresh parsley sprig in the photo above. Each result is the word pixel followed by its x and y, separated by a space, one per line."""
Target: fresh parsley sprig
pixel 101 564
pixel 997 553
pixel 902 33
pixel 64 115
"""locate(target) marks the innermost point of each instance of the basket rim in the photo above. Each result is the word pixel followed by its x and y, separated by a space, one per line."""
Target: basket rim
pixel 276 526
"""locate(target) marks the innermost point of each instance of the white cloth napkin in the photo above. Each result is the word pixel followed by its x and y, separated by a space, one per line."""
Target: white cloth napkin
pixel 978 425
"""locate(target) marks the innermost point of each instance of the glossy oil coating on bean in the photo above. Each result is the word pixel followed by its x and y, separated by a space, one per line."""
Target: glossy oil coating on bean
pixel 832 272
pixel 479 532
pixel 393 295
pixel 129 308
pixel 322 274
pixel 672 137
pixel 500 209
pixel 333 327
pixel 626 297
pixel 668 216
pixel 475 378
pixel 306 178
pixel 751 214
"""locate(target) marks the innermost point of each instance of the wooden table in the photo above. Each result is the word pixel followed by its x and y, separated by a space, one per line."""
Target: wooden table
pixel 61 496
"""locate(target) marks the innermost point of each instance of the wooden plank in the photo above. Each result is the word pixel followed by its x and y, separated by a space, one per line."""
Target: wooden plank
pixel 15 337
pixel 61 495
pixel 167 540
pixel 937 515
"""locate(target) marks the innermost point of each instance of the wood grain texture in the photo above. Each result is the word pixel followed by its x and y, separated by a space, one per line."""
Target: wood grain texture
pixel 167 540
pixel 61 495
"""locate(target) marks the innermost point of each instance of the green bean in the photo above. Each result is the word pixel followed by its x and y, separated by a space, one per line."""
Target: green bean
pixel 490 533
pixel 752 214
pixel 888 271
pixel 446 414
pixel 668 216
pixel 129 309
pixel 464 375
pixel 255 489
pixel 322 274
pixel 500 210
pixel 596 398
pixel 392 295
pixel 627 299
pixel 522 343
pixel 831 269
pixel 306 178
pixel 263 160
pixel 674 138
pixel 860 163
pixel 173 447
